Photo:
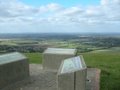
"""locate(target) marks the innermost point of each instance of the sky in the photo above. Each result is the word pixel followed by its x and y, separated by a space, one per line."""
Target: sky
pixel 65 3
pixel 60 16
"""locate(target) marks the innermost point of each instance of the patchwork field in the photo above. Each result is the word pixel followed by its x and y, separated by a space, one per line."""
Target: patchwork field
pixel 108 62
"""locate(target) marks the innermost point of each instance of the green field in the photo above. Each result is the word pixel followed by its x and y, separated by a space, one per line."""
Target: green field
pixel 34 57
pixel 108 62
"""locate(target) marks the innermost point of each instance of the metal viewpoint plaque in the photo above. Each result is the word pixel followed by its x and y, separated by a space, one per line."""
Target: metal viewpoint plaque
pixel 71 65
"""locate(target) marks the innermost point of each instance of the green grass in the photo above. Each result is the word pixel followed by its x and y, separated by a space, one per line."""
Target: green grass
pixel 108 62
pixel 34 57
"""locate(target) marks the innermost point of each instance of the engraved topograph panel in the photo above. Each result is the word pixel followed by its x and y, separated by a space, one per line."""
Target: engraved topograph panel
pixel 71 65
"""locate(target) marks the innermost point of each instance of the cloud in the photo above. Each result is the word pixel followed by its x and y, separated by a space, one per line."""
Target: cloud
pixel 108 11
pixel 17 13
pixel 111 8
pixel 14 9
pixel 70 11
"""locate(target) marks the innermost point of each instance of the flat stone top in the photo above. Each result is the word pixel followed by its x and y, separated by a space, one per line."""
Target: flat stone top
pixel 71 65
pixel 60 51
pixel 11 57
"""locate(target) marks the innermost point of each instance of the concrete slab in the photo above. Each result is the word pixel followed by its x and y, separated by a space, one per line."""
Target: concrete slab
pixel 93 75
pixel 66 81
pixel 45 80
pixel 14 67
pixel 80 82
pixel 52 57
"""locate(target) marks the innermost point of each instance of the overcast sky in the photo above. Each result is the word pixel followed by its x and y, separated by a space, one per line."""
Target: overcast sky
pixel 22 16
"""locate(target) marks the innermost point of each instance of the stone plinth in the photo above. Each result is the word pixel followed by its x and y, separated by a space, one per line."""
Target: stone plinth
pixel 52 57
pixel 14 67
pixel 72 74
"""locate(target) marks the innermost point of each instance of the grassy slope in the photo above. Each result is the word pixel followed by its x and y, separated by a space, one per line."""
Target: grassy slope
pixel 34 57
pixel 108 62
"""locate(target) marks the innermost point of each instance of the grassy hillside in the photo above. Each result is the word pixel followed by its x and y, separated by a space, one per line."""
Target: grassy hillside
pixel 108 62
pixel 34 57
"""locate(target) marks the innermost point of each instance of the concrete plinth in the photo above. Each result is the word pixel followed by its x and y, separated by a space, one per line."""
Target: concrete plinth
pixel 52 57
pixel 80 79
pixel 72 74
pixel 13 67
pixel 66 81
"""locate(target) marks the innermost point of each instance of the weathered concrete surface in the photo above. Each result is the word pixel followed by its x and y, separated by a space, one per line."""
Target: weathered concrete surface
pixel 80 79
pixel 93 75
pixel 72 74
pixel 66 81
pixel 14 67
pixel 52 57
pixel 44 80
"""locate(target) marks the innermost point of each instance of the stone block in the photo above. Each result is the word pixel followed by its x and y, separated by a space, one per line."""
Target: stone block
pixel 72 74
pixel 52 57
pixel 14 67
pixel 66 81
